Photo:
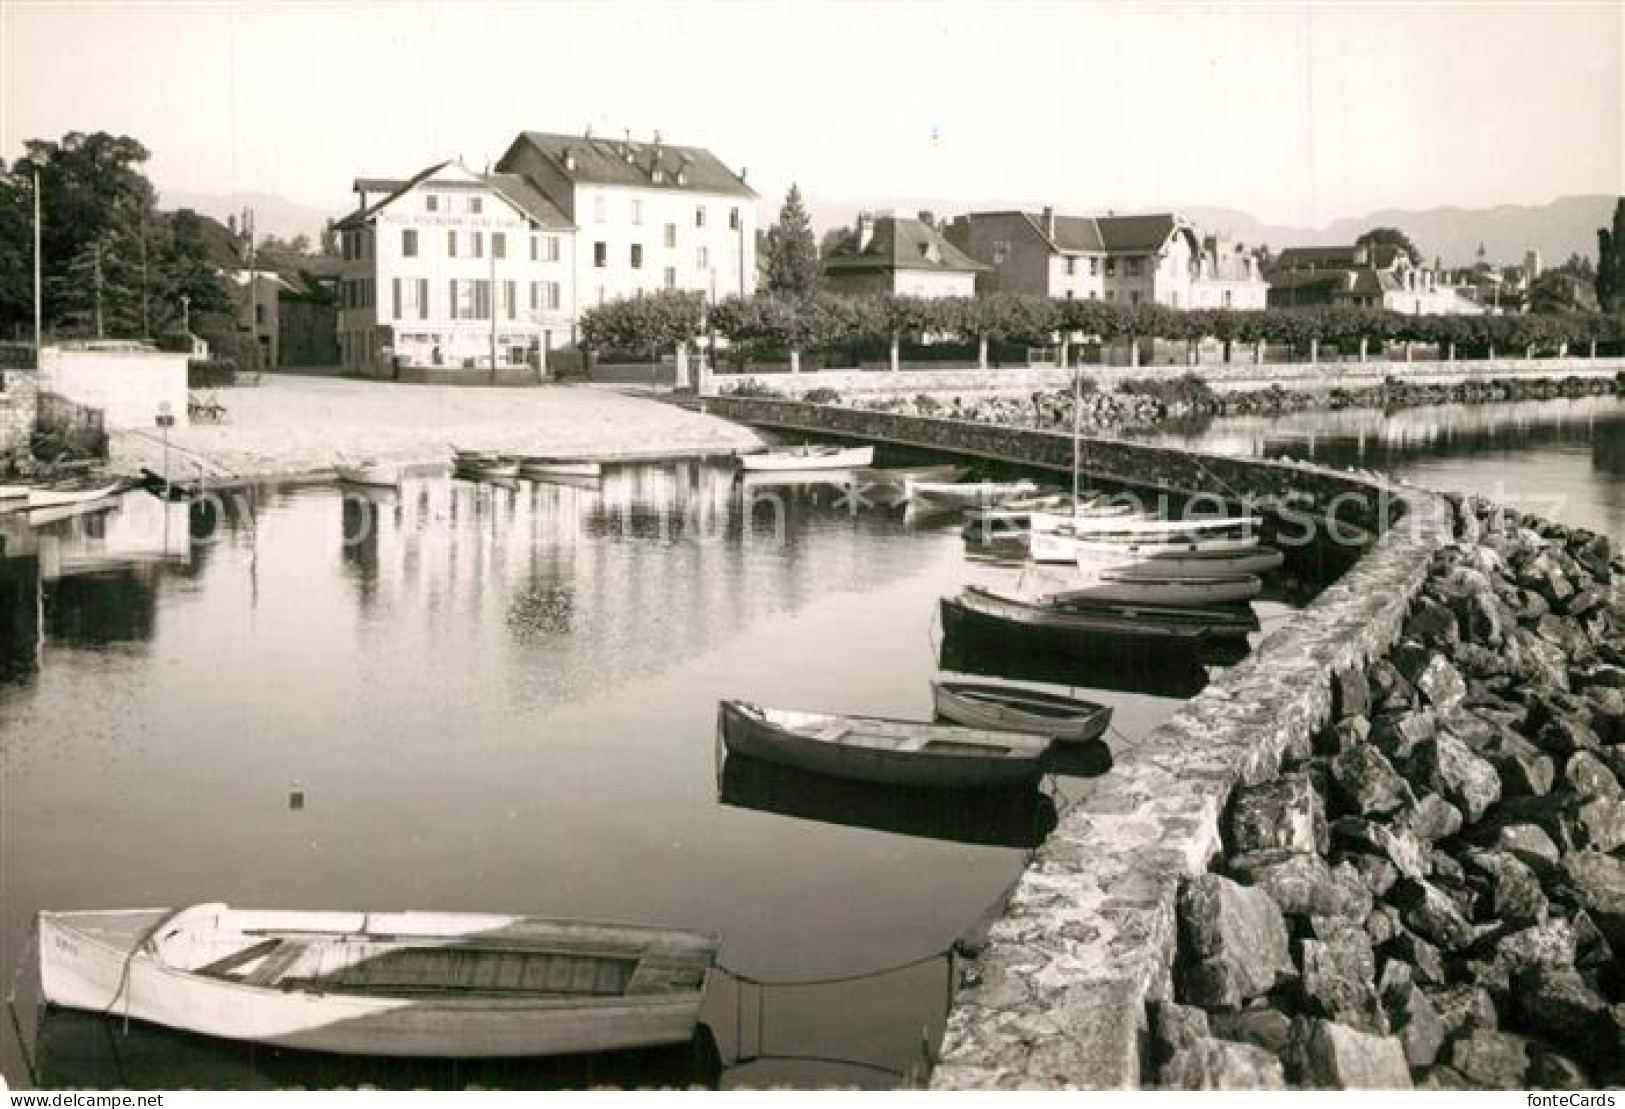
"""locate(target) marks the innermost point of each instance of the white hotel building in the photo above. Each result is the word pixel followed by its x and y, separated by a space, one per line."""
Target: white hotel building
pixel 566 222
pixel 449 267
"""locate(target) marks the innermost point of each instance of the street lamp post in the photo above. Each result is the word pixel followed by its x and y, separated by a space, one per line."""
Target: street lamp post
pixel 38 312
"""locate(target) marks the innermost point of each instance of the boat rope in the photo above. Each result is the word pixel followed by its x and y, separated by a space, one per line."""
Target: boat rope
pixel 837 979
pixel 11 1006
pixel 827 1060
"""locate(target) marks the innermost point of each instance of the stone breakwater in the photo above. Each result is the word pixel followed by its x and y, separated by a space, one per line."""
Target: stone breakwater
pixel 1433 888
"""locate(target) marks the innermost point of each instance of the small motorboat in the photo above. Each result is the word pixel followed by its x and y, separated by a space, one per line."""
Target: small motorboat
pixel 1012 708
pixel 368 472
pixel 542 468
pixel 873 749
pixel 811 456
pixel 74 492
pixel 1140 586
pixel 451 985
pixel 1154 561
pixel 948 495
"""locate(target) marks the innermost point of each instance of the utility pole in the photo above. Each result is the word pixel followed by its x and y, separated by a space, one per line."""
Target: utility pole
pixel 491 303
pixel 97 283
pixel 253 287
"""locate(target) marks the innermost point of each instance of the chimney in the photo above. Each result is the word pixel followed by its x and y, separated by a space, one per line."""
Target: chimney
pixel 1362 256
pixel 570 159
pixel 1348 281
pixel 866 230
pixel 928 218
pixel 1049 221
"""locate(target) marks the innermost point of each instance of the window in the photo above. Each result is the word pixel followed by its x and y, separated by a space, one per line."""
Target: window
pixel 1072 267
pixel 600 209
pixel 423 298
pixel 1069 294
pixel 702 257
pixel 552 253
pixel 671 234
pixel 451 244
pixel 600 255
pixel 699 215
pixel 733 219
pixel 409 243
pixel 534 243
pixel 550 295
pixel 1111 267
pixel 637 213
pixel 479 244
pixel 482 298
pixel 1134 296
pixel 259 314
pixel 499 245
pixel 671 277
pixel 1111 294
pixel 1227 298
pixel 431 203
pixel 535 295
pixel 395 297
pixel 637 256
pixel 476 204
pixel 1094 267
pixel 1093 295
pixel 1134 267
pixel 509 297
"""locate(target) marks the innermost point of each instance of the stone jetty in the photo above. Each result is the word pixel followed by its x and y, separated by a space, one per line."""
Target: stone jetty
pixel 1432 890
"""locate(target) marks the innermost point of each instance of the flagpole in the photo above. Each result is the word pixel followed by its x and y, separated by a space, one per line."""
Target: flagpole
pixel 38 313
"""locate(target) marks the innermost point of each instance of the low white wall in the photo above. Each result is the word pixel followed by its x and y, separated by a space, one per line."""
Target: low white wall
pixel 128 386
pixel 1227 377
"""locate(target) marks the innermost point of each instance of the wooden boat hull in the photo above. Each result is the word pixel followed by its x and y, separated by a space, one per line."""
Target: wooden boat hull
pixel 1016 760
pixel 838 458
pixel 1137 587
pixel 13 492
pixel 101 962
pixel 1101 623
pixel 1014 709
pixel 951 495
pixel 494 471
pixel 1258 560
pixel 896 477
pixel 1055 548
pixel 42 497
pixel 534 469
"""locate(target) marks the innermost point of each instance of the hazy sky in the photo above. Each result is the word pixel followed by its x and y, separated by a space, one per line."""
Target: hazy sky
pixel 1297 113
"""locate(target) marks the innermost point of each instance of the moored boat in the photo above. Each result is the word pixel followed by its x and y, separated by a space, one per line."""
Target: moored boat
pixel 1013 708
pixel 76 492
pixel 976 606
pixel 492 469
pixel 1138 586
pixel 13 492
pixel 874 749
pixel 1257 560
pixel 965 494
pixel 1066 548
pixel 452 985
pixel 811 456
pixel 896 476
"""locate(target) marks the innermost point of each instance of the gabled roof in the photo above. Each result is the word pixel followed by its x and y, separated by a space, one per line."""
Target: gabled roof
pixel 593 161
pixel 510 186
pixel 1143 234
pixel 376 184
pixel 1380 255
pixel 901 243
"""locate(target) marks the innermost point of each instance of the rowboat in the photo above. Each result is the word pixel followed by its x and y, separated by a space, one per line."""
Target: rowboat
pixel 13 492
pixel 453 985
pixel 1138 586
pixel 1129 548
pixel 92 489
pixel 965 494
pixel 1012 708
pixel 369 473
pixel 507 468
pixel 1141 526
pixel 869 477
pixel 872 749
pixel 558 467
pixel 1258 560
pixel 978 606
pixel 811 456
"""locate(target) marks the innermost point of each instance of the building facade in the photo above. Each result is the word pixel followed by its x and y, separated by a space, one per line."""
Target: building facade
pixel 649 215
pixel 903 256
pixel 1152 259
pixel 1380 275
pixel 452 269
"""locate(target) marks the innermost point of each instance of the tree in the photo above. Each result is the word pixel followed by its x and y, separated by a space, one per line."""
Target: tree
pixel 1561 290
pixel 1611 261
pixel 650 325
pixel 1391 236
pixel 792 251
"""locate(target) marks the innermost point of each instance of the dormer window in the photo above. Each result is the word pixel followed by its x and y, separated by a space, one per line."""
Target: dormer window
pixel 682 177
pixel 570 160
pixel 659 175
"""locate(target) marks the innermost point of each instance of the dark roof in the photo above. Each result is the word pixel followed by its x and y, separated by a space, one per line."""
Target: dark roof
pixel 1143 234
pixel 529 200
pixel 1368 282
pixel 901 243
pixel 605 162
pixel 376 184
pixel 1381 255
pixel 362 216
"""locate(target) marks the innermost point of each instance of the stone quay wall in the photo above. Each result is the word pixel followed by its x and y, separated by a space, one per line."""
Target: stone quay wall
pixel 1087 946
pixel 1224 377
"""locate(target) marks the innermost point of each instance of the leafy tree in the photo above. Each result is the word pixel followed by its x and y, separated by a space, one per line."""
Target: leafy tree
pixel 791 254
pixel 1561 290
pixel 1611 261
pixel 1391 236
pixel 649 325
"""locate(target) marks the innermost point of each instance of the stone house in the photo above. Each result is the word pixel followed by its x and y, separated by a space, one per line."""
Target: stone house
pixel 906 256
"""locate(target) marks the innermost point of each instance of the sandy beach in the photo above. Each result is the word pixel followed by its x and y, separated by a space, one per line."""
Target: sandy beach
pixel 291 426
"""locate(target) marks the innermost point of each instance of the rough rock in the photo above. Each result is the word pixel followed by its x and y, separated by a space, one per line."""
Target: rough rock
pixel 1336 980
pixel 1556 1002
pixel 1440 683
pixel 1585 773
pixel 1421 956
pixel 1462 1009
pixel 1566 734
pixel 1389 689
pixel 1398 845
pixel 1429 913
pixel 1284 813
pixel 1530 843
pixel 1432 818
pixel 1550 944
pixel 1599 822
pixel 1432 623
pixel 1349 732
pixel 1491 1060
pixel 1187 1057
pixel 1558 1072
pixel 1515 895
pixel 1396 734
pixel 1367 783
pixel 1351 693
pixel 1233 941
pixel 1596 883
pixel 1269 1029
pixel 1442 1078
pixel 1447 766
pixel 1303 885
pixel 1411 1015
pixel 1378 874
pixel 1329 1055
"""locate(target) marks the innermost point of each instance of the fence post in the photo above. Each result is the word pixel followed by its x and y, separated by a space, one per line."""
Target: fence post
pixel 795 361
pixel 981 352
pixel 1314 351
pixel 896 341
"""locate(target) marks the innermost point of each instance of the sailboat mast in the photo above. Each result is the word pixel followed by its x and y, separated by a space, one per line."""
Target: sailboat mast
pixel 1077 417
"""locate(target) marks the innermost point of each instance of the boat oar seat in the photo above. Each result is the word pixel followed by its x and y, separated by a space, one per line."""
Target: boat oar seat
pixel 276 964
pixel 835 731
pixel 222 967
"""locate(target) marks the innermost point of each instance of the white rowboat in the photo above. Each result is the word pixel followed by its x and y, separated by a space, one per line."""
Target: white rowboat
pixel 1137 587
pixel 810 457
pixel 454 985
pixel 966 494
pixel 1013 708
pixel 52 497
pixel 1259 560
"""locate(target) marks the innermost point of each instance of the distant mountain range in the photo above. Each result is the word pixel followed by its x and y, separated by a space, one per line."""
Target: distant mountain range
pixel 1565 226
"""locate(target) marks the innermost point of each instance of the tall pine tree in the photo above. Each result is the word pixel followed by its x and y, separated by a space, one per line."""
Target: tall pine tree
pixel 792 251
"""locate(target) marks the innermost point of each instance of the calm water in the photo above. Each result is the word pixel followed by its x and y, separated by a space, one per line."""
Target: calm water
pixel 475 698
pixel 1564 459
